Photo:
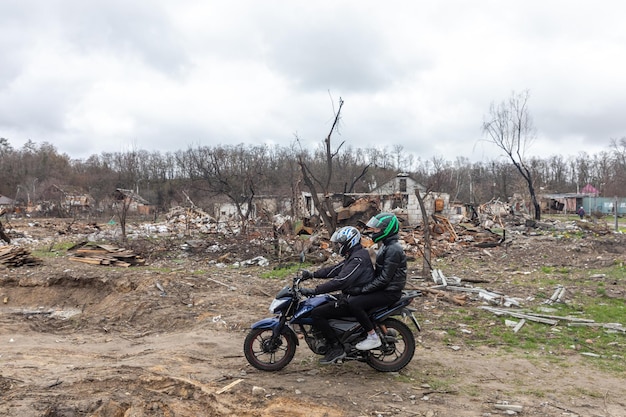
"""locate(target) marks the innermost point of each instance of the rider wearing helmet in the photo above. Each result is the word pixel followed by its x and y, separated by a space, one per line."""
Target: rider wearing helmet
pixel 356 270
pixel 389 276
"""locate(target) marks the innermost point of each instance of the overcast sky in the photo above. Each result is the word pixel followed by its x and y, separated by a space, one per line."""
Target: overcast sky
pixel 109 76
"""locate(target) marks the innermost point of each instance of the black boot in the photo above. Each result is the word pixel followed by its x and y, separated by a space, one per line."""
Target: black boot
pixel 334 354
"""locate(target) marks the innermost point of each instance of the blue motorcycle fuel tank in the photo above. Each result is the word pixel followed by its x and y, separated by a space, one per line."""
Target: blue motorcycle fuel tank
pixel 305 307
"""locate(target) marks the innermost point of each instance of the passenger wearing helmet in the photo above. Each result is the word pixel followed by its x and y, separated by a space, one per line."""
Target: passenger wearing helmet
pixel 356 270
pixel 389 276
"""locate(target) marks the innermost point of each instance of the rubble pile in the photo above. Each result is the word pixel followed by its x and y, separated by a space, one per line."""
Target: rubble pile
pixel 98 254
pixel 15 256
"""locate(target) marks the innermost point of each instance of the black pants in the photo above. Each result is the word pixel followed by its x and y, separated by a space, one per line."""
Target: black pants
pixel 356 306
pixel 360 305
pixel 332 310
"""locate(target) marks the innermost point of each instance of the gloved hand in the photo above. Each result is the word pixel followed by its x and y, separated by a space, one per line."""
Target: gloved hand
pixel 306 275
pixel 354 291
pixel 307 292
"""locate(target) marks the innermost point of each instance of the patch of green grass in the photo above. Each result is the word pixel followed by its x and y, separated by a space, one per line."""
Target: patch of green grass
pixel 473 390
pixel 440 385
pixel 579 391
pixel 284 271
pixel 617 271
pixel 39 253
pixel 161 270
pixel 537 392
pixel 53 250
pixel 552 342
pixel 608 310
pixel 406 378
pixel 553 269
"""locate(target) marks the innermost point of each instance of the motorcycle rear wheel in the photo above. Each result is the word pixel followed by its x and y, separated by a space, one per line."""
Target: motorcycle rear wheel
pixel 397 352
pixel 266 354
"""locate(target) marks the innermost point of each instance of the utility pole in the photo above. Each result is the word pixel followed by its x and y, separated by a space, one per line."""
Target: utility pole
pixel 615 212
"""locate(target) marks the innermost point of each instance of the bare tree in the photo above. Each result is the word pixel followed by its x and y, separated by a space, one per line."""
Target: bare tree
pixel 324 205
pixel 122 200
pixel 426 264
pixel 619 152
pixel 510 128
pixel 231 171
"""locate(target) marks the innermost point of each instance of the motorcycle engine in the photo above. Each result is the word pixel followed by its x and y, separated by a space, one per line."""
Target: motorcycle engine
pixel 316 342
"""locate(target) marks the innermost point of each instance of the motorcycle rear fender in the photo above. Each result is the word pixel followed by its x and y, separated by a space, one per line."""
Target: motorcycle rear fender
pixel 385 312
pixel 400 310
pixel 272 323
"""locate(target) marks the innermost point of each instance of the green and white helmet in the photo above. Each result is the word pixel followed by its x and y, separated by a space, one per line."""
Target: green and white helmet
pixel 387 223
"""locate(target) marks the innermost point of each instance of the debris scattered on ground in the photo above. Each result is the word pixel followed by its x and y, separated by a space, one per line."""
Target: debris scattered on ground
pixel 164 341
pixel 100 254
pixel 443 286
pixel 554 320
pixel 15 256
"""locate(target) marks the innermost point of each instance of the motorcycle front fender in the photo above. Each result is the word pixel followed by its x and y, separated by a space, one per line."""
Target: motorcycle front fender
pixel 267 323
pixel 272 323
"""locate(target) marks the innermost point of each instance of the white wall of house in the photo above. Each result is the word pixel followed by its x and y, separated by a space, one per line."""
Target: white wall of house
pixel 399 196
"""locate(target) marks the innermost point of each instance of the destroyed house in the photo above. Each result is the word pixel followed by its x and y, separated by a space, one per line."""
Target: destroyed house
pixel 262 206
pixel 66 198
pixel 561 203
pixel 397 195
pixel 6 202
pixel 136 203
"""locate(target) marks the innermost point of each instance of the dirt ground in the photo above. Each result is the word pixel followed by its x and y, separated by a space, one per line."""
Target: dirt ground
pixel 165 339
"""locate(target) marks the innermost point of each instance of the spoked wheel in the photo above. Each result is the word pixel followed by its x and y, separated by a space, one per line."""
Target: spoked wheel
pixel 269 354
pixel 397 349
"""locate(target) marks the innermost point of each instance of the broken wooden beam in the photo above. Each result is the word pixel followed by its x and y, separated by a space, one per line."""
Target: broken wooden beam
pixel 455 299
pixel 499 312
pixel 229 386
pixel 557 295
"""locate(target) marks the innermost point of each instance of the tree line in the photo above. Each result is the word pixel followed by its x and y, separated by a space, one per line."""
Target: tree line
pixel 239 173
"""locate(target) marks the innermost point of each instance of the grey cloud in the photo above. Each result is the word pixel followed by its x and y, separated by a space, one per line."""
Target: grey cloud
pixel 331 53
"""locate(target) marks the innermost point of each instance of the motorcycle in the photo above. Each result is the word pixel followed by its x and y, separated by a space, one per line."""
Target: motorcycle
pixel 271 343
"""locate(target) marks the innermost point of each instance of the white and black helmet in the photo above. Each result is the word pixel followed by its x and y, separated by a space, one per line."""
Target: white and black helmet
pixel 346 238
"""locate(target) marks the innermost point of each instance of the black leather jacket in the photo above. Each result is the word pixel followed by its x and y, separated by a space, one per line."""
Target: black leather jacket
pixel 390 274
pixel 355 271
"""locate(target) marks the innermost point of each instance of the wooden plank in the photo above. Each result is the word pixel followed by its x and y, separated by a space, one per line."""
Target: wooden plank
pixel 229 386
pixel 92 261
pixel 519 325
pixel 499 311
pixel 88 251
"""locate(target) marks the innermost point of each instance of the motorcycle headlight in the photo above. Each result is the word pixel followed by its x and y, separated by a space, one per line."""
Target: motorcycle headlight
pixel 277 305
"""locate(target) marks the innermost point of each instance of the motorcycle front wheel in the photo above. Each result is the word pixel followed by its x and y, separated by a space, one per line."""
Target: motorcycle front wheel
pixel 397 349
pixel 268 354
